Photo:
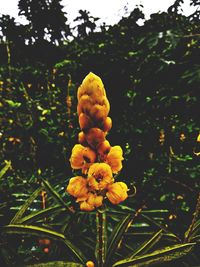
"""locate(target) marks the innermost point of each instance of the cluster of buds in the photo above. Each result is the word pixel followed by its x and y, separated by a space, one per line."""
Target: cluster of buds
pixel 94 156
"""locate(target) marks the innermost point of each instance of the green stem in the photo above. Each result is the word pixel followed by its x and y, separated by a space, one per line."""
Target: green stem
pixel 101 243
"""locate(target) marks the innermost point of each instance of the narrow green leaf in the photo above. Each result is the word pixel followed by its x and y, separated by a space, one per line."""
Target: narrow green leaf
pixel 158 256
pixel 160 226
pixel 5 168
pixel 116 236
pixel 146 246
pixel 75 251
pixel 41 214
pixel 56 264
pixel 195 230
pixel 32 230
pixel 54 194
pixel 40 231
pixel 25 206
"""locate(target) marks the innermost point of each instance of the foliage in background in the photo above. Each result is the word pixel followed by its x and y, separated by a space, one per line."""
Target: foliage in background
pixel 151 74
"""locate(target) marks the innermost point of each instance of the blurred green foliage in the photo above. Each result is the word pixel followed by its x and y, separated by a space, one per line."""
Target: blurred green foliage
pixel 151 73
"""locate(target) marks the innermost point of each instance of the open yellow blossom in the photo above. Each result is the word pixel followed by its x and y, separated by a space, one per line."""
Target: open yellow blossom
pixel 81 155
pixel 77 186
pixel 117 192
pixel 95 200
pixel 114 158
pixel 86 206
pixel 99 176
pixel 90 201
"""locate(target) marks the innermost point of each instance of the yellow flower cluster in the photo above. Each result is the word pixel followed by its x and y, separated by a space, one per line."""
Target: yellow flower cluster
pixel 94 155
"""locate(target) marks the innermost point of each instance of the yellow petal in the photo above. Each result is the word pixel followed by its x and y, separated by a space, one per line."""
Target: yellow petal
pixel 117 192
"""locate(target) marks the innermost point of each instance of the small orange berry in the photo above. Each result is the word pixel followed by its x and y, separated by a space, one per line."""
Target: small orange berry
pixel 46 250
pixel 90 264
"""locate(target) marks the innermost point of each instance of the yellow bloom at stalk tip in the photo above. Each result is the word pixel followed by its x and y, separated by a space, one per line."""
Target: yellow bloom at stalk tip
pixel 117 192
pixel 99 176
pixel 114 158
pixel 81 156
pixel 94 155
pixel 92 85
pixel 77 186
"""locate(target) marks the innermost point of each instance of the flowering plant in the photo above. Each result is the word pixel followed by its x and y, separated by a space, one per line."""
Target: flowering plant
pixel 94 155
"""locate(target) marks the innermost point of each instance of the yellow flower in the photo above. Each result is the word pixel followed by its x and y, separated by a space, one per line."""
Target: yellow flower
pixel 103 149
pixel 86 206
pixel 92 85
pixel 84 121
pixel 95 200
pixel 90 201
pixel 77 186
pixel 114 158
pixel 84 104
pixel 99 176
pixel 107 124
pixel 97 109
pixel 81 155
pixel 81 138
pixel 100 111
pixel 117 192
pixel 94 136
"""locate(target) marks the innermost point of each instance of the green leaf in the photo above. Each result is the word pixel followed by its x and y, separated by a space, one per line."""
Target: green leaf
pixel 158 256
pixel 116 236
pixel 160 226
pixel 40 231
pixel 57 264
pixel 146 246
pixel 195 230
pixel 54 194
pixel 41 214
pixel 5 168
pixel 13 104
pixel 25 206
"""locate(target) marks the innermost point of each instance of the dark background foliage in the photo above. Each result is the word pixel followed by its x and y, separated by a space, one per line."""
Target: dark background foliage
pixel 151 74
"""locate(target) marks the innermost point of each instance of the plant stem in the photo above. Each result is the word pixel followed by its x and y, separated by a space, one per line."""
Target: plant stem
pixel 101 242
